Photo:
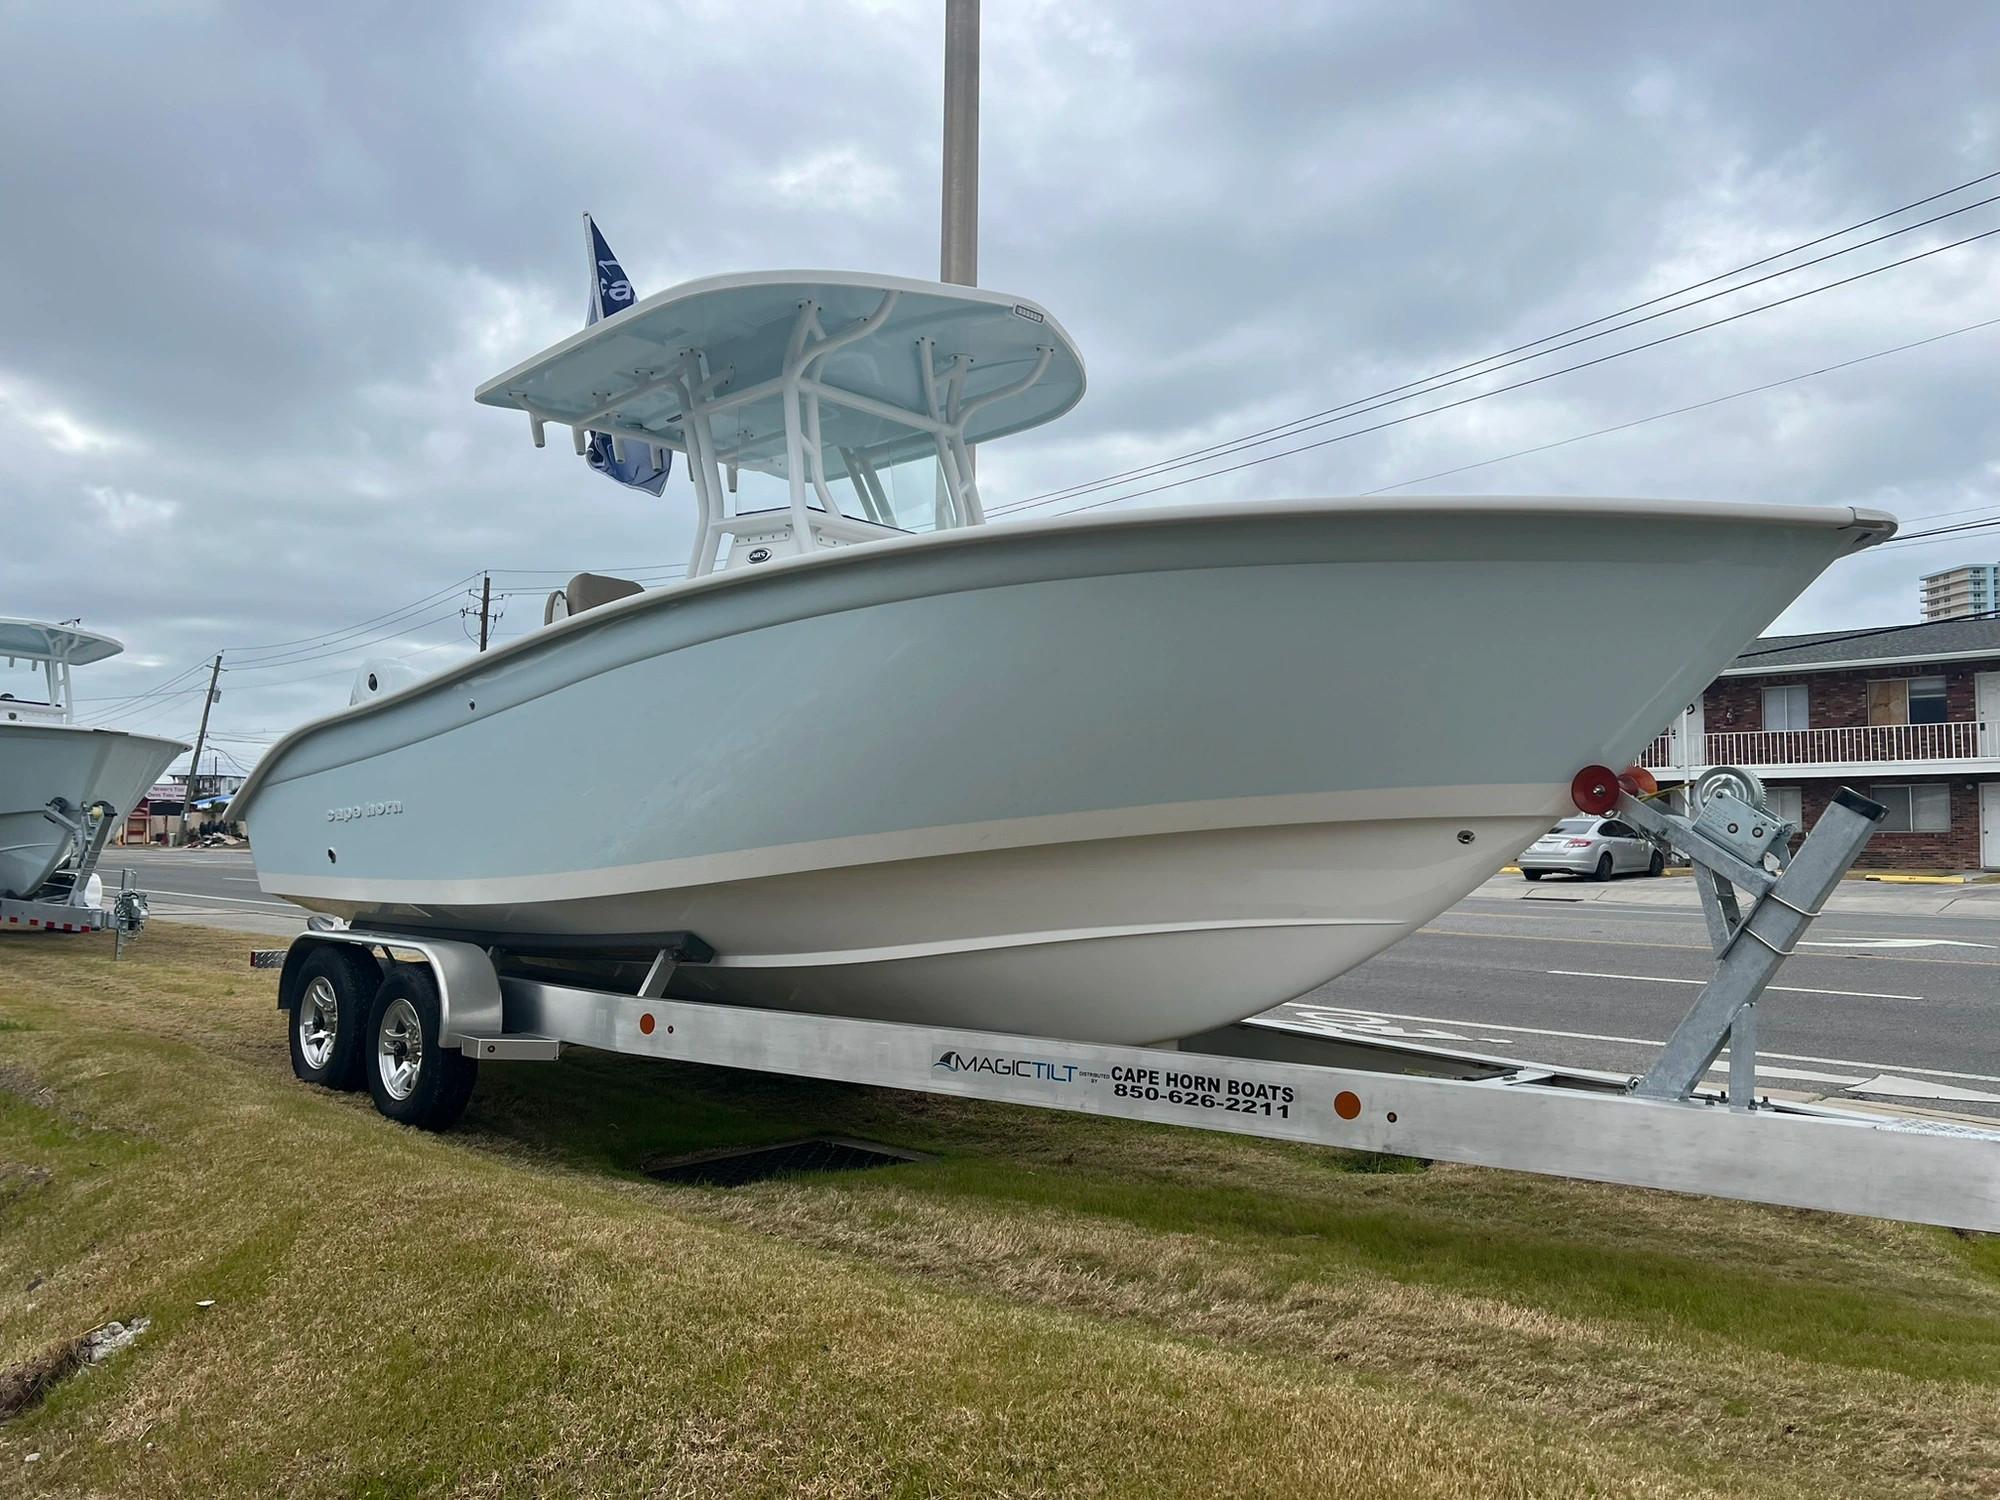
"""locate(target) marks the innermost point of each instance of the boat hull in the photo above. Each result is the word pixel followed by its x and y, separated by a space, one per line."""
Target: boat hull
pixel 1117 781
pixel 40 762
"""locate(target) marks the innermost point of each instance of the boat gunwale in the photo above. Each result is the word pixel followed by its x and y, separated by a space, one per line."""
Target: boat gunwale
pixel 71 727
pixel 1874 527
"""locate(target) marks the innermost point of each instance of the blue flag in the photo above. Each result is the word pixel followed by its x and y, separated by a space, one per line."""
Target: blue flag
pixel 611 293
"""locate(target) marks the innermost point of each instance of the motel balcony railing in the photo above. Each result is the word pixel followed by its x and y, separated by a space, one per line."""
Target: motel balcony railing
pixel 1961 740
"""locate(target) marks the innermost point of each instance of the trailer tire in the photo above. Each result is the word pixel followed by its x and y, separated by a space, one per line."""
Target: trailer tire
pixel 328 1017
pixel 414 1080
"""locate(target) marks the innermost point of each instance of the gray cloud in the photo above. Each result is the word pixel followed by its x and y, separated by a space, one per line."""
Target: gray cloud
pixel 257 257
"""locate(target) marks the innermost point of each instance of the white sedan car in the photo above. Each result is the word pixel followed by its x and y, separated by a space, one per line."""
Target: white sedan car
pixel 1597 847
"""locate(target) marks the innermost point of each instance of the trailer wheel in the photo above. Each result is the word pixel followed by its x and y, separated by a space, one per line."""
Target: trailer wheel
pixel 329 1016
pixel 414 1079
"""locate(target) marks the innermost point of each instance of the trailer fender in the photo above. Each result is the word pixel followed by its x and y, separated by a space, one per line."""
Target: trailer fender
pixel 468 989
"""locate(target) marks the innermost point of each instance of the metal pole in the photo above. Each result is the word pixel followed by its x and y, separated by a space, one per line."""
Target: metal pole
pixel 485 604
pixel 960 237
pixel 194 764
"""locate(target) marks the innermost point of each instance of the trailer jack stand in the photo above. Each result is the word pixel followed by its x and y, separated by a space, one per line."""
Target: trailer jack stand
pixel 1735 844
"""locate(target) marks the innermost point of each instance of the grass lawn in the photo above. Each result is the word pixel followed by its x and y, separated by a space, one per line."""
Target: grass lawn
pixel 1053 1306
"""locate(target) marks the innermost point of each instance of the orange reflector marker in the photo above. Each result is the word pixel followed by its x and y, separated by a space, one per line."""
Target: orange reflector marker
pixel 1594 789
pixel 646 1024
pixel 1347 1104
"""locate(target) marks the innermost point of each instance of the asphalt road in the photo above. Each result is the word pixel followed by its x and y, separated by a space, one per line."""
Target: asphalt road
pixel 1895 996
pixel 1895 1001
pixel 213 886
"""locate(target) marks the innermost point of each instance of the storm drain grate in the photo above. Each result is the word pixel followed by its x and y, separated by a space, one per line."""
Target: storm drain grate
pixel 737 1167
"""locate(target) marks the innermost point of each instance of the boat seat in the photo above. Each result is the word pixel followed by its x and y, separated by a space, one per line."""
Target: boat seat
pixel 589 590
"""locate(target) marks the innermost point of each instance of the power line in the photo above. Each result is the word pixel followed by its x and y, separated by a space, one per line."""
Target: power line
pixel 1538 379
pixel 1364 410
pixel 397 632
pixel 341 640
pixel 152 712
pixel 149 704
pixel 145 716
pixel 259 687
pixel 1940 533
pixel 566 573
pixel 1933 515
pixel 1861 635
pixel 360 625
pixel 160 689
pixel 175 693
pixel 1678 411
pixel 1307 422
pixel 1944 533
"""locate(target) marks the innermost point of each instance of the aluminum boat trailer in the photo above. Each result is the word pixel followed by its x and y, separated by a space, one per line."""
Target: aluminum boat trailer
pixel 431 1009
pixel 67 902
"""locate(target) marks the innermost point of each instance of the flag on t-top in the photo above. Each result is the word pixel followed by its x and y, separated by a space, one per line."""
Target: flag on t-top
pixel 611 293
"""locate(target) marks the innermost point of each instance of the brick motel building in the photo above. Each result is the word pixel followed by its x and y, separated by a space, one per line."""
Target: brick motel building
pixel 1910 717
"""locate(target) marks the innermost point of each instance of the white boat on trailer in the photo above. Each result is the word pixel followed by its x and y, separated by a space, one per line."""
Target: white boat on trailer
pixel 64 786
pixel 1122 778
pixel 979 812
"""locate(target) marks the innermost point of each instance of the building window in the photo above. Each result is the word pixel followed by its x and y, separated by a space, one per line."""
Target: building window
pixel 1906 700
pixel 1920 807
pixel 1785 707
pixel 1889 701
pixel 1787 802
pixel 1927 700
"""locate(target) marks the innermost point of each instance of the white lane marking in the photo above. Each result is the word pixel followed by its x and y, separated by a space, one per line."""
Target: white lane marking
pixel 1895 943
pixel 214 896
pixel 1789 989
pixel 246 879
pixel 1375 1017
pixel 1843 1080
pixel 1666 915
pixel 1377 1023
pixel 155 857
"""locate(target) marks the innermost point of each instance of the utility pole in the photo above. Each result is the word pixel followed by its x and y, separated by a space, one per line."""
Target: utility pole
pixel 960 237
pixel 485 606
pixel 201 735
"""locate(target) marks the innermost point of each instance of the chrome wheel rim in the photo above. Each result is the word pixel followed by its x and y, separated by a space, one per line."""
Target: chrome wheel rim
pixel 399 1048
pixel 318 1023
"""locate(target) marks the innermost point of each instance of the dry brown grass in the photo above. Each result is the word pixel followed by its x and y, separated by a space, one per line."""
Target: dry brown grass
pixel 1056 1306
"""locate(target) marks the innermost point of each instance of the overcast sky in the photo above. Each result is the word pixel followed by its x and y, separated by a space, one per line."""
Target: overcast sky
pixel 255 259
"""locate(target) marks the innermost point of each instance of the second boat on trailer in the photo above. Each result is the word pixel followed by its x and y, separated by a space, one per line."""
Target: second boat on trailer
pixel 64 786
pixel 1115 778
